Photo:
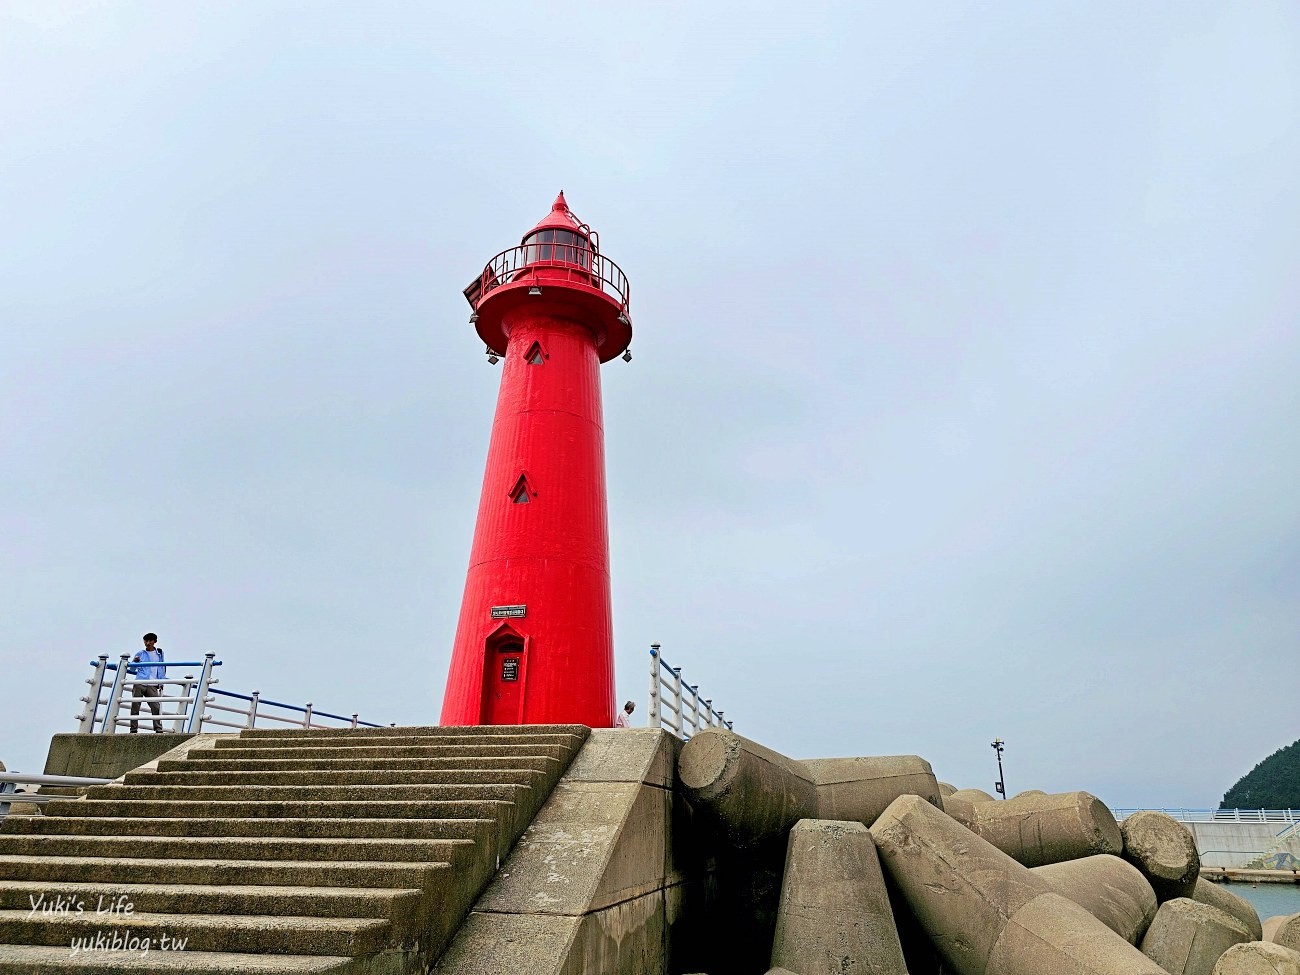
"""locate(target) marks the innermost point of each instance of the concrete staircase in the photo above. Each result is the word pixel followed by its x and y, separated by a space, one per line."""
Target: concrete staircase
pixel 276 852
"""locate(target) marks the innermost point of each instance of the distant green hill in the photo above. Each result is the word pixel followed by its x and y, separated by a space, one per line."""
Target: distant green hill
pixel 1272 784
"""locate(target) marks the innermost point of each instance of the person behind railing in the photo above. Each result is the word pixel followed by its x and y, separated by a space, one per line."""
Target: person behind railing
pixel 147 669
pixel 621 719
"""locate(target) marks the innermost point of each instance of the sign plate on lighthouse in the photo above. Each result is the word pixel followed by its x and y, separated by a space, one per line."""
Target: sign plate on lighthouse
pixel 509 612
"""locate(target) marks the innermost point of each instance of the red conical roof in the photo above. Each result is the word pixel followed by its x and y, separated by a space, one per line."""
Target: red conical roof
pixel 560 217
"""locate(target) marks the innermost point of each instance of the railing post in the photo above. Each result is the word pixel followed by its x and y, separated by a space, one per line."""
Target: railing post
pixel 695 707
pixel 708 717
pixel 306 721
pixel 252 710
pixel 655 664
pixel 86 723
pixel 354 720
pixel 181 710
pixel 115 697
pixel 679 708
pixel 200 704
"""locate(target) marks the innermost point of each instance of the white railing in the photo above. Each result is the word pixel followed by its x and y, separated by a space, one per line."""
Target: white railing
pixel 185 702
pixel 9 782
pixel 1183 815
pixel 681 710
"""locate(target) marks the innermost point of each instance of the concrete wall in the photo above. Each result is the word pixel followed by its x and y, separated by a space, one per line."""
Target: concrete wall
pixel 603 881
pixel 1242 845
pixel 106 756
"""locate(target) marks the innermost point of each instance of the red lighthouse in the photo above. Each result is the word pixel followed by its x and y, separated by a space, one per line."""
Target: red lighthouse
pixel 534 644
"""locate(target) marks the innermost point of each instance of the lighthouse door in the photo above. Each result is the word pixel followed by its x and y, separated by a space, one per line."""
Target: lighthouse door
pixel 503 679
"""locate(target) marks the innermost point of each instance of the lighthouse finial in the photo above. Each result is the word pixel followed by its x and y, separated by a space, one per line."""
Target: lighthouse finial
pixel 560 203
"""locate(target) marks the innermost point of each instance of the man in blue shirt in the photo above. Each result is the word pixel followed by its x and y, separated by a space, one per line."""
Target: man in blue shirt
pixel 147 669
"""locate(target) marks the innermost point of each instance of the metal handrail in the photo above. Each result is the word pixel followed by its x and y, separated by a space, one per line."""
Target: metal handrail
pixel 568 262
pixel 681 717
pixel 1207 815
pixel 9 781
pixel 196 697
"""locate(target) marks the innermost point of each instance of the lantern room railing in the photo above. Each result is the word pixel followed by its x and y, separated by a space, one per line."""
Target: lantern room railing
pixel 575 263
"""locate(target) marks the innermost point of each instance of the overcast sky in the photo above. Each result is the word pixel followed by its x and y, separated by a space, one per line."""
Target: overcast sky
pixel 966 392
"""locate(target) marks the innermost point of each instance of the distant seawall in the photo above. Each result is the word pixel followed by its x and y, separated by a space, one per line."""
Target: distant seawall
pixel 1241 839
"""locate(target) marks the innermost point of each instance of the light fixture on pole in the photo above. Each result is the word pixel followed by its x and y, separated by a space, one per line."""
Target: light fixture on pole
pixel 1000 786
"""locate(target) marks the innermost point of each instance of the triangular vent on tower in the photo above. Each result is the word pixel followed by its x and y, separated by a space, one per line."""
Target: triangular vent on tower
pixel 520 493
pixel 535 355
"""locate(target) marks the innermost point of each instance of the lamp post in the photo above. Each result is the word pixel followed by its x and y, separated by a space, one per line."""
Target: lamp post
pixel 1000 786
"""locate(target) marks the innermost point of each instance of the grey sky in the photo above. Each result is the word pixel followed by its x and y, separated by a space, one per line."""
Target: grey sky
pixel 965 393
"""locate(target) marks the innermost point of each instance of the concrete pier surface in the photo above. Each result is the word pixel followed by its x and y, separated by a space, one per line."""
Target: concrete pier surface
pixel 568 851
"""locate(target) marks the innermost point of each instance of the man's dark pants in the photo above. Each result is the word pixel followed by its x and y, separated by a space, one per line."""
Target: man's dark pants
pixel 146 691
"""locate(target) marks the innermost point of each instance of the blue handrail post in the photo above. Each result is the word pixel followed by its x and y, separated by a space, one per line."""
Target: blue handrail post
pixel 115 697
pixel 252 710
pixel 307 720
pixel 96 682
pixel 200 703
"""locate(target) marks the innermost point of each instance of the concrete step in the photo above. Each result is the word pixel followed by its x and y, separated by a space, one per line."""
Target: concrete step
pixel 279 873
pixel 109 901
pixel 448 829
pixel 423 731
pixel 252 933
pixel 239 848
pixel 282 809
pixel 337 749
pixel 306 793
pixel 524 777
pixel 50 960
pixel 307 850
pixel 310 740
pixel 544 764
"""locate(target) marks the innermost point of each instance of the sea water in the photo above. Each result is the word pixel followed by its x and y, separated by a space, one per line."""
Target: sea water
pixel 1269 899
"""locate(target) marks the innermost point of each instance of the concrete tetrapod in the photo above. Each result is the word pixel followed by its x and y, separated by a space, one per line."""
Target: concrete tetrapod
pixel 985 913
pixel 859 789
pixel 1110 889
pixel 1258 958
pixel 971 795
pixel 1165 852
pixel 1284 930
pixel 1187 937
pixel 752 792
pixel 1036 830
pixel 1225 900
pixel 835 915
pixel 960 805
